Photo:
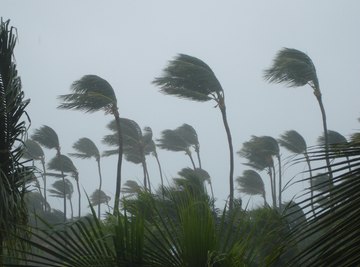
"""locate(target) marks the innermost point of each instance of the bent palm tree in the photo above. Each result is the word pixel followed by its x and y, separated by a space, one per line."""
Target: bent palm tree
pixel 92 93
pixel 191 78
pixel 251 183
pixel 295 68
pixel 61 190
pixel 87 149
pixel 189 134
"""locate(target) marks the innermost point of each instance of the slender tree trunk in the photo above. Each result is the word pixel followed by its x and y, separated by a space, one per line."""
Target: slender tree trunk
pixel 198 157
pixel 79 193
pixel 161 176
pixel 191 159
pixel 71 209
pixel 311 182
pixel 58 154
pixel 274 181
pixel 118 173
pixel 264 197
pixel 280 181
pixel 273 194
pixel 100 185
pixel 231 151
pixel 44 181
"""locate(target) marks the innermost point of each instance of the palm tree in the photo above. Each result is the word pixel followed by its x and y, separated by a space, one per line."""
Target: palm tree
pixel 188 132
pixel 173 140
pixel 131 188
pixel 92 93
pixel 61 190
pixel 251 183
pixel 99 197
pixel 295 143
pixel 64 164
pixel 87 149
pixel 295 68
pixel 134 144
pixel 13 129
pixel 48 138
pixel 191 78
pixel 34 151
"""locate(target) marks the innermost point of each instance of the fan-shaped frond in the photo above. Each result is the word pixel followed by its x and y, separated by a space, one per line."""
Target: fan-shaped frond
pixel 188 133
pixel 47 137
pixel 99 197
pixel 62 163
pixel 251 183
pixel 293 141
pixel 189 77
pixel 91 93
pixel 86 148
pixel 336 140
pixel 33 150
pixel 171 140
pixel 292 67
pixel 59 188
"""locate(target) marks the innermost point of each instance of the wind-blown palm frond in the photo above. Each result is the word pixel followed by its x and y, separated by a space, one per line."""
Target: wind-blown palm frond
pixel 63 189
pixel 33 150
pixel 99 197
pixel 190 78
pixel 293 141
pixel 293 67
pixel 86 149
pixel 251 183
pixel 336 140
pixel 91 93
pixel 131 188
pixel 62 163
pixel 47 137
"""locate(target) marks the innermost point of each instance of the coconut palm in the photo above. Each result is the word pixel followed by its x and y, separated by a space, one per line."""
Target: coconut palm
pixel 34 151
pixel 87 149
pixel 61 191
pixel 190 78
pixel 173 140
pixel 188 132
pixel 99 197
pixel 134 145
pixel 295 68
pixel 13 129
pixel 251 184
pixel 92 93
pixel 64 164
pixel 295 143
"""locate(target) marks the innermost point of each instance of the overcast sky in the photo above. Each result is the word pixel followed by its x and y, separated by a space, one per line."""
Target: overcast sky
pixel 128 43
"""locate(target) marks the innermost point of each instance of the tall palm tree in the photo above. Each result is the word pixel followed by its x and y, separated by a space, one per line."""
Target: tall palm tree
pixel 173 140
pixel 64 164
pixel 190 78
pixel 48 138
pixel 13 128
pixel 92 93
pixel 34 151
pixel 134 145
pixel 295 68
pixel 61 190
pixel 251 183
pixel 87 149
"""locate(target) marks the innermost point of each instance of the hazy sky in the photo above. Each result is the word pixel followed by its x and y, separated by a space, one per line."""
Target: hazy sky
pixel 128 43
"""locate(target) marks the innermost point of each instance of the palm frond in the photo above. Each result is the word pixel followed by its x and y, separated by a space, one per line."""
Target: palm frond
pixel 33 150
pixel 293 141
pixel 85 148
pixel 292 67
pixel 251 183
pixel 62 163
pixel 91 93
pixel 99 197
pixel 189 77
pixel 335 139
pixel 60 188
pixel 47 137
pixel 171 140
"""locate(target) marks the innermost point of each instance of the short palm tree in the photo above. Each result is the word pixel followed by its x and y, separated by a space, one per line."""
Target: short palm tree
pixel 34 151
pixel 64 164
pixel 92 93
pixel 61 190
pixel 86 149
pixel 190 78
pixel 134 145
pixel 295 68
pixel 173 140
pixel 251 184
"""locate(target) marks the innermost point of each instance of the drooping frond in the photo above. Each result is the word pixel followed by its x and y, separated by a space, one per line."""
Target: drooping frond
pixel 59 187
pixel 336 140
pixel 85 148
pixel 292 67
pixel 33 150
pixel 171 140
pixel 188 133
pixel 99 197
pixel 62 163
pixel 47 137
pixel 91 93
pixel 251 183
pixel 189 77
pixel 293 141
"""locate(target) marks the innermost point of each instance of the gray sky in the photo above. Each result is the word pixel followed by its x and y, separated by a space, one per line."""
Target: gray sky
pixel 128 43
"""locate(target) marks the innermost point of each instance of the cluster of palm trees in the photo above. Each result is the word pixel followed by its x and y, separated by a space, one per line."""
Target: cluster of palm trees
pixel 176 225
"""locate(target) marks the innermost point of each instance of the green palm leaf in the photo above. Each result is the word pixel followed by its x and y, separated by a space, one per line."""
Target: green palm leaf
pixel 47 137
pixel 251 183
pixel 86 149
pixel 293 141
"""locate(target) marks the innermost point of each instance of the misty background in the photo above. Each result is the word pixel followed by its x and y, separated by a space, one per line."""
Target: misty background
pixel 128 43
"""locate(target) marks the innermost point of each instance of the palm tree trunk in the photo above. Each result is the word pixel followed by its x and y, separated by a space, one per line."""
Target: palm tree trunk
pixel 198 157
pixel 272 169
pixel 161 176
pixel 191 159
pixel 71 208
pixel 100 185
pixel 79 194
pixel 311 182
pixel 231 150
pixel 118 173
pixel 264 197
pixel 273 194
pixel 63 179
pixel 280 181
pixel 44 181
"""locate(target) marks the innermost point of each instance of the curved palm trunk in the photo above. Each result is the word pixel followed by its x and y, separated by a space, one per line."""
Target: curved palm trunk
pixel 280 181
pixel 272 169
pixel 71 209
pixel 311 182
pixel 188 152
pixel 44 181
pixel 118 173
pixel 146 176
pixel 161 176
pixel 78 189
pixel 273 193
pixel 100 185
pixel 231 150
pixel 63 179
pixel 198 156
pixel 264 197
